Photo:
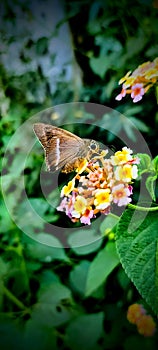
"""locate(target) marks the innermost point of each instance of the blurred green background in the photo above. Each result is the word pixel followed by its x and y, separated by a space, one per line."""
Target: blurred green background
pixel 53 53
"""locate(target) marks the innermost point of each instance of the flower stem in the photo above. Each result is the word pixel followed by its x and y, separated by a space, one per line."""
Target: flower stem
pixel 114 216
pixel 137 207
pixel 13 298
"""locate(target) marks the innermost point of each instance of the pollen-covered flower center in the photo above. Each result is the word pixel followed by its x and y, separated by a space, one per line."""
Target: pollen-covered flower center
pixel 119 194
pixel 80 204
pixel 137 91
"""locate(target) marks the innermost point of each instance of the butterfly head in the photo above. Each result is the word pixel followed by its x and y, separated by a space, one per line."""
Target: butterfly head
pixel 92 147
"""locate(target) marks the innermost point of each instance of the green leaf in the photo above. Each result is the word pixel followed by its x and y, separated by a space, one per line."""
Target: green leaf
pixel 101 267
pixel 135 44
pixel 42 46
pixel 11 336
pixel 99 65
pixel 106 93
pixel 84 241
pixel 137 343
pixel 38 336
pixel 138 251
pixel 108 223
pixel 139 124
pixel 33 266
pixel 123 279
pixel 4 267
pixel 132 111
pixel 150 185
pixel 155 163
pixel 85 331
pixel 47 250
pixel 40 205
pixel 46 279
pixel 145 163
pixel 129 131
pixel 112 123
pixel 18 164
pixel 78 280
pixel 54 306
pixel 25 217
pixel 78 276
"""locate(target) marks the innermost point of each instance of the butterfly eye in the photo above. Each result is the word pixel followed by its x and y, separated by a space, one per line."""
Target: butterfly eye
pixel 93 146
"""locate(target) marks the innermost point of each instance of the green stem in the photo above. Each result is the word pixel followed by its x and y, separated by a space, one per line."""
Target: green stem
pixel 13 298
pixel 137 207
pixel 114 216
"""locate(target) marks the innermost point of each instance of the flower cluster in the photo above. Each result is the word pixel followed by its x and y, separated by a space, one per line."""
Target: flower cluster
pixel 99 184
pixel 140 81
pixel 145 324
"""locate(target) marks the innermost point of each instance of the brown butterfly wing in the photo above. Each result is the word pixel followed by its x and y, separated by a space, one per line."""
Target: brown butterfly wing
pixel 61 146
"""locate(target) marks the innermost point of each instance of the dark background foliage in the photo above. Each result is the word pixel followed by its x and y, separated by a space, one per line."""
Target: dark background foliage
pixel 44 303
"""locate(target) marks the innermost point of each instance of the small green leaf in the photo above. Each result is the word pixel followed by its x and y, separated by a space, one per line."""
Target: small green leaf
pixel 11 337
pixel 145 163
pixel 99 65
pixel 138 342
pixel 18 164
pixel 84 241
pixel 47 250
pixel 7 225
pixel 78 276
pixel 54 306
pixel 135 44
pixel 101 267
pixel 38 336
pixel 137 248
pixel 123 279
pixel 25 216
pixel 40 205
pixel 129 131
pixel 139 124
pixel 85 331
pixel 42 46
pixel 155 163
pixel 132 111
pixel 150 185
pixel 46 279
pixel 4 267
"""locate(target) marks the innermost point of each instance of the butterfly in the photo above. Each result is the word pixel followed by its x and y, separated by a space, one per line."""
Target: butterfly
pixel 64 150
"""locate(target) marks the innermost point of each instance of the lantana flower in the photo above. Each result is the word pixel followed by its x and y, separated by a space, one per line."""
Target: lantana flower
pixel 121 195
pixel 140 81
pixel 137 92
pixel 146 326
pixel 126 172
pixel 99 185
pixel 87 215
pixel 80 206
pixel 121 95
pixel 136 314
pixel 68 188
pixel 102 198
pixel 122 157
